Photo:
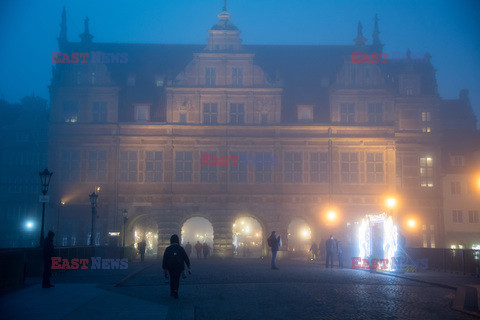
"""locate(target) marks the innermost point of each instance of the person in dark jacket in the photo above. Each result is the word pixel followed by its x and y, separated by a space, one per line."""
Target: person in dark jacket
pixel 275 243
pixel 206 250
pixel 48 253
pixel 141 248
pixel 174 260
pixel 188 249
pixel 330 248
pixel 314 251
pixel 340 254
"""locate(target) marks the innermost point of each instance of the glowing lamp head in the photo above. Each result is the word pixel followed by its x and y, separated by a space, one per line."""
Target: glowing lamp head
pixel 411 223
pixel 331 215
pixel 29 225
pixel 391 202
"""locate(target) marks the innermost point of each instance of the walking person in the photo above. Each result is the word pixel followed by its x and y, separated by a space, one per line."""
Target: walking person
pixel 174 260
pixel 206 250
pixel 199 248
pixel 48 253
pixel 314 251
pixel 188 249
pixel 141 246
pixel 275 243
pixel 330 250
pixel 340 254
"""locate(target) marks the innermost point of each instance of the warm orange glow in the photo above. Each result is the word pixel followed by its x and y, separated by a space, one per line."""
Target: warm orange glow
pixel 331 215
pixel 391 202
pixel 412 223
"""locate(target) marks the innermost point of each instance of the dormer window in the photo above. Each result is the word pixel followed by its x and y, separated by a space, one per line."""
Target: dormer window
pixel 305 113
pixel 142 112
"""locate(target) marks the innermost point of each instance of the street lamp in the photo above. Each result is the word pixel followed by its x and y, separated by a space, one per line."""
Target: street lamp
pixel 93 201
pixel 125 219
pixel 45 177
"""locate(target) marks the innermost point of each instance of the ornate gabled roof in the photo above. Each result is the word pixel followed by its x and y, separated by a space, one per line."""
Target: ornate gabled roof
pixel 224 23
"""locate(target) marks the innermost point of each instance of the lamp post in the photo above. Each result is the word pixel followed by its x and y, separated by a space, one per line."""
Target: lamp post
pixel 45 177
pixel 125 219
pixel 93 202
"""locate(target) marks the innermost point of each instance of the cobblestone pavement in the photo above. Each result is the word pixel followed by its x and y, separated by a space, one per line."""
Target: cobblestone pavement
pixel 232 289
pixel 249 289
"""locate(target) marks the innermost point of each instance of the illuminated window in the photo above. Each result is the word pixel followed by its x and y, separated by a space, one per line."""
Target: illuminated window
pixel 473 216
pixel 293 167
pixel 432 240
pixel 142 112
pixel 153 166
pixel 347 113
pixel 210 77
pixel 457 216
pixel 210 113
pixel 183 166
pixel 97 166
pixel 455 187
pixel 237 77
pixel 426 122
pixel 263 167
pixel 209 173
pixel 426 172
pixel 70 111
pixel 375 113
pixel 374 167
pixel 349 167
pixel 425 242
pixel 99 111
pixel 70 164
pixel 238 173
pixel 318 167
pixel 237 113
pixel 128 166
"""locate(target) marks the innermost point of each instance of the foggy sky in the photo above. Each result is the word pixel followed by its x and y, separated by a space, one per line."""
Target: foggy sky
pixel 448 30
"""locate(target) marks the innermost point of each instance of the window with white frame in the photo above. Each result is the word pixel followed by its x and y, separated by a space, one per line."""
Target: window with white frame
pixel 237 113
pixel 183 166
pixel 455 187
pixel 426 172
pixel 142 112
pixel 347 113
pixel 318 167
pixel 349 167
pixel 426 122
pixel 473 216
pixel 210 77
pixel 128 166
pixel 293 167
pixel 237 77
pixel 153 166
pixel 210 113
pixel 457 216
pixel 374 167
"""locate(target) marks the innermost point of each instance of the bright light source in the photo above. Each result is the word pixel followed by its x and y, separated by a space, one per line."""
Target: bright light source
pixel 391 202
pixel 29 225
pixel 62 203
pixel 331 215
pixel 242 222
pixel 98 189
pixel 305 233
pixel 411 223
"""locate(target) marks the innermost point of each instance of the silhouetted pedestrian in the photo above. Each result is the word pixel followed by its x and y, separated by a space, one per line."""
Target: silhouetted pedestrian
pixel 199 248
pixel 330 249
pixel 48 253
pixel 141 248
pixel 188 249
pixel 174 260
pixel 340 254
pixel 314 251
pixel 275 243
pixel 206 250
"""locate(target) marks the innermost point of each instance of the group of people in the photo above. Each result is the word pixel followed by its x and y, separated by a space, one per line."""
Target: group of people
pixel 332 246
pixel 199 249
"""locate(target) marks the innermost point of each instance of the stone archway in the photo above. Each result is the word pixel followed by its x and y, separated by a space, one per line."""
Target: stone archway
pixel 299 235
pixel 143 227
pixel 248 237
pixel 197 229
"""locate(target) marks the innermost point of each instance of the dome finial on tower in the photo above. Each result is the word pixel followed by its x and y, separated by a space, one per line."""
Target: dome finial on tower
pixel 360 39
pixel 86 36
pixel 377 44
pixel 62 37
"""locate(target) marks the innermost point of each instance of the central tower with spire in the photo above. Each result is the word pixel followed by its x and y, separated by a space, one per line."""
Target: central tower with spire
pixel 224 35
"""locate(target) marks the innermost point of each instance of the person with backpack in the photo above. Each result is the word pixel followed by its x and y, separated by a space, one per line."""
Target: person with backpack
pixel 174 260
pixel 275 243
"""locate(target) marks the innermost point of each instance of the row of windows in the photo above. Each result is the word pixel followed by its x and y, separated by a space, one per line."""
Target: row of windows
pixel 211 77
pixel 261 165
pixel 70 111
pixel 457 216
pixel 456 188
